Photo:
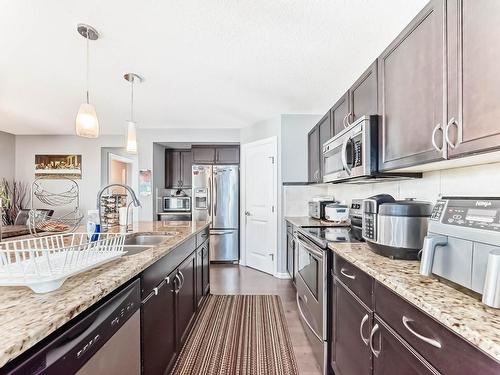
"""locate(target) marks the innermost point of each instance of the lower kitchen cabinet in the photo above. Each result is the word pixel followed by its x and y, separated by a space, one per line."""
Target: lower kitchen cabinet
pixel 168 310
pixel 393 356
pixel 186 298
pixel 159 344
pixel 350 332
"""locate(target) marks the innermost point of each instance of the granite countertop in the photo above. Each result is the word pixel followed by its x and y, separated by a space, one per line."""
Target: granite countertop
pixel 464 315
pixel 307 221
pixel 26 317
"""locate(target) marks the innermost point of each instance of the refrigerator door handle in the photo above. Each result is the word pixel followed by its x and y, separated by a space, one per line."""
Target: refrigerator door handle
pixel 209 197
pixel 215 196
pixel 221 233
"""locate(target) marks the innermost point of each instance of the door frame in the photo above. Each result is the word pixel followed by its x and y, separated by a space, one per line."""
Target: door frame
pixel 123 159
pixel 243 253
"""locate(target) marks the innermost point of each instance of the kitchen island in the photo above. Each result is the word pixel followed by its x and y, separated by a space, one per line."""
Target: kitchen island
pixel 26 317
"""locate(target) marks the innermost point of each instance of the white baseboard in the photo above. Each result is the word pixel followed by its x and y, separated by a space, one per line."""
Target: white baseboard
pixel 282 275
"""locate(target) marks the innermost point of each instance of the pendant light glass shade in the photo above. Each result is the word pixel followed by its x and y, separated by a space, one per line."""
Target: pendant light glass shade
pixel 87 125
pixel 131 137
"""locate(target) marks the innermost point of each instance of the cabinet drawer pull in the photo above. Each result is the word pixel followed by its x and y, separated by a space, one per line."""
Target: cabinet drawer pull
pixel 447 133
pixel 438 127
pixel 363 321
pixel 343 272
pixel 376 353
pixel 432 342
pixel 177 284
pixel 182 279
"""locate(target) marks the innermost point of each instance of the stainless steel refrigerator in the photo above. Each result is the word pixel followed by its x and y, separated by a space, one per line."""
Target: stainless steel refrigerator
pixel 216 198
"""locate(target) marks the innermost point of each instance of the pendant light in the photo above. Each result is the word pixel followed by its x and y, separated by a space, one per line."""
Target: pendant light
pixel 86 124
pixel 131 125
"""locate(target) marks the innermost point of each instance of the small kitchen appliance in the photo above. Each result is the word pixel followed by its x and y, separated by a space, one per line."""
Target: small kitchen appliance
pixel 356 218
pixel 352 155
pixel 337 213
pixel 317 206
pixel 176 204
pixel 395 229
pixel 463 245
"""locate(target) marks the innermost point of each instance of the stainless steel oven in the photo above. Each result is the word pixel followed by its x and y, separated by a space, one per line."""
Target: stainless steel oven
pixel 311 287
pixel 353 152
pixel 176 204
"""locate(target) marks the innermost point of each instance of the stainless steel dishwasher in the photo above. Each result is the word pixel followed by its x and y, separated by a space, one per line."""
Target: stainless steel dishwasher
pixel 106 341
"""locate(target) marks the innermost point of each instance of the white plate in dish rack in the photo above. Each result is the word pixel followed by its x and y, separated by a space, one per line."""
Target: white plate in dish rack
pixel 43 265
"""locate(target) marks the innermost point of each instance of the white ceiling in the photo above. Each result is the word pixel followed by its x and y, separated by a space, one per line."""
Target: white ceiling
pixel 207 64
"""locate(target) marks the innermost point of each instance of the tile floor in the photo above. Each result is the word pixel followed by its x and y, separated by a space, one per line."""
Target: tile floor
pixel 234 279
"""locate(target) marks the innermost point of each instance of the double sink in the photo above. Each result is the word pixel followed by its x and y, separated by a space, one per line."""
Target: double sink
pixel 137 243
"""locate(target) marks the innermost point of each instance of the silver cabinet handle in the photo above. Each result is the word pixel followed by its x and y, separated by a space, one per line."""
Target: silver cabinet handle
pixel 363 321
pixel 376 353
pixel 176 290
pixel 344 121
pixel 436 128
pixel 247 213
pixel 432 342
pixel 343 272
pixel 447 132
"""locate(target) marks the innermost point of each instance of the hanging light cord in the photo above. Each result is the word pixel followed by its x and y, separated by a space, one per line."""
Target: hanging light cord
pixel 132 100
pixel 87 37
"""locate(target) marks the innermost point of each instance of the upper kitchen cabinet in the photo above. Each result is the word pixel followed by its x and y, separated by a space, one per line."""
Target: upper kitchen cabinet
pixel 339 113
pixel 363 95
pixel 325 133
pixel 203 155
pixel 313 152
pixel 411 97
pixel 473 76
pixel 216 154
pixel 177 169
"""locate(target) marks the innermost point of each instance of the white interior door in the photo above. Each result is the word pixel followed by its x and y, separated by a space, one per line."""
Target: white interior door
pixel 259 204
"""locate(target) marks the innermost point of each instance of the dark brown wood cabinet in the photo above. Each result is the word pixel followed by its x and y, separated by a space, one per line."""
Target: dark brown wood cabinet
pixel 411 91
pixel 186 298
pixel 339 112
pixel 159 341
pixel 227 155
pixel 473 76
pixel 314 171
pixel 363 95
pixel 178 169
pixel 393 356
pixel 216 154
pixel 350 332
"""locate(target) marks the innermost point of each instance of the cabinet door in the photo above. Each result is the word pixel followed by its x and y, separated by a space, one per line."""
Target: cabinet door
pixel 313 155
pixel 186 297
pixel 206 268
pixel 473 76
pixel 411 92
pixel 227 155
pixel 393 356
pixel 339 113
pixel 173 176
pixel 289 254
pixel 199 276
pixel 159 348
pixel 363 94
pixel 203 154
pixel 186 160
pixel 352 325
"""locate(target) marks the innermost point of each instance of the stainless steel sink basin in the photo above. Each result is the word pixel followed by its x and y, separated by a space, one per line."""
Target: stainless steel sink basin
pixel 147 240
pixel 135 249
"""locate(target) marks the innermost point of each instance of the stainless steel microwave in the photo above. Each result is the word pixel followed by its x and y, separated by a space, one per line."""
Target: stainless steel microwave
pixel 177 204
pixel 352 154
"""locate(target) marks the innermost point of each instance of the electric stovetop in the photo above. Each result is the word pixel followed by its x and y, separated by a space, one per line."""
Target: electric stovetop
pixel 322 235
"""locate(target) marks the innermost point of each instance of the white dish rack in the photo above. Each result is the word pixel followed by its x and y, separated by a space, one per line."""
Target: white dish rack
pixel 44 263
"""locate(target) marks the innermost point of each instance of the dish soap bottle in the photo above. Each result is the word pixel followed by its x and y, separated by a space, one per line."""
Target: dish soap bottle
pixel 93 225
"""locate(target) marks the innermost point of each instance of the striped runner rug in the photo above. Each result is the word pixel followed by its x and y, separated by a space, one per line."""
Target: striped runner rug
pixel 238 334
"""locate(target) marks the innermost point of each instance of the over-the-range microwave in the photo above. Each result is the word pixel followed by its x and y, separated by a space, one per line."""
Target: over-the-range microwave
pixel 352 155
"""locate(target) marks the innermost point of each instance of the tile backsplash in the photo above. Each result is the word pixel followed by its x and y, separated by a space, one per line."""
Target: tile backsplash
pixel 479 180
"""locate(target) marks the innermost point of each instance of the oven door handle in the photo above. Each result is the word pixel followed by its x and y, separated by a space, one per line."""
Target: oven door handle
pixel 304 318
pixel 343 155
pixel 310 249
